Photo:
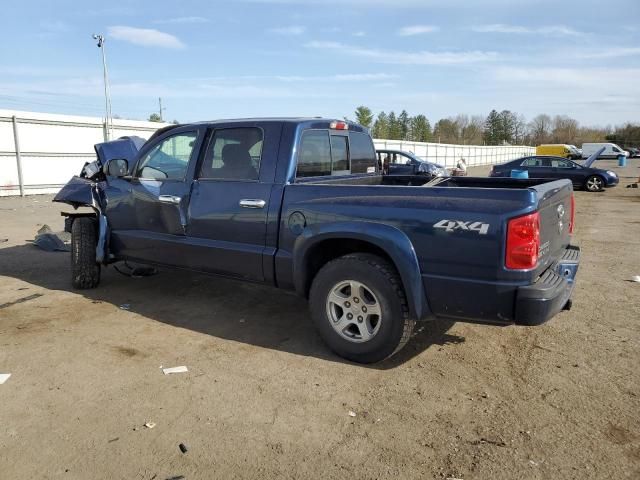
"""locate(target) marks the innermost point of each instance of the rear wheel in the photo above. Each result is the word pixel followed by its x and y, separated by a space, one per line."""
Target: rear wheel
pixel 594 183
pixel 360 309
pixel 85 271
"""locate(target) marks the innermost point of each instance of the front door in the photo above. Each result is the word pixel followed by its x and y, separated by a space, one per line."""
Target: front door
pixel 148 212
pixel 567 169
pixel 401 165
pixel 230 199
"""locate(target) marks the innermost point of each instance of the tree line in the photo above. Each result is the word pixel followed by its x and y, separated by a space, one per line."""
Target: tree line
pixel 497 128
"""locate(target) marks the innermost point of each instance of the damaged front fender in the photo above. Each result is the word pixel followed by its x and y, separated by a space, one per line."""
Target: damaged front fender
pixel 81 192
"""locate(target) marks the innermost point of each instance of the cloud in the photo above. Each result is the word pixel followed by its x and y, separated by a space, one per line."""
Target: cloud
pixel 146 37
pixel 408 58
pixel 291 30
pixel 359 34
pixel 612 52
pixel 178 20
pixel 340 77
pixel 519 29
pixel 417 30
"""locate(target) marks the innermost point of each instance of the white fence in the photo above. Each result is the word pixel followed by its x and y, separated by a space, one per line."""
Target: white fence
pixel 40 152
pixel 448 155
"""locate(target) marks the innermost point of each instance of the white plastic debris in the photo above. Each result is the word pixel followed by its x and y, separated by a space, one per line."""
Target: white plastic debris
pixel 150 424
pixel 180 369
pixel 635 278
pixel 4 377
pixel 352 413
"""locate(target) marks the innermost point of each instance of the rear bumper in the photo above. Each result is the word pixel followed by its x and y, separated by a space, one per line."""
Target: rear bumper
pixel 537 303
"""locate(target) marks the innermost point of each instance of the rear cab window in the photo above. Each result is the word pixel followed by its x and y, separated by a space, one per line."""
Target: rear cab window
pixel 328 152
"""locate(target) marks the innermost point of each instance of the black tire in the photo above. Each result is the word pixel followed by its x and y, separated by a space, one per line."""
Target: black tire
pixel 594 183
pixel 85 272
pixel 382 279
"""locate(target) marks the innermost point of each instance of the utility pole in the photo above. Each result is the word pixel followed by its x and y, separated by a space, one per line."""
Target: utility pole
pixel 160 108
pixel 107 97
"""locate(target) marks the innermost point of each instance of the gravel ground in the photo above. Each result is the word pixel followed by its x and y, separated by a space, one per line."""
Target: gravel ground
pixel 264 398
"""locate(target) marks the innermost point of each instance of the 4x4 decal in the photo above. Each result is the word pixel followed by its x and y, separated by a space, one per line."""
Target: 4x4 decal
pixel 453 225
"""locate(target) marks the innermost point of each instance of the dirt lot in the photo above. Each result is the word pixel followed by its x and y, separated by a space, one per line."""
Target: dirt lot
pixel 264 398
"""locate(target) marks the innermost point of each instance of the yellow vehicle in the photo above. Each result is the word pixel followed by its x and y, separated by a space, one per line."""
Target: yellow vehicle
pixel 557 150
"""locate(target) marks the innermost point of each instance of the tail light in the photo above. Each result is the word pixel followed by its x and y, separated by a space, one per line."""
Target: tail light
pixel 523 242
pixel 572 220
pixel 339 126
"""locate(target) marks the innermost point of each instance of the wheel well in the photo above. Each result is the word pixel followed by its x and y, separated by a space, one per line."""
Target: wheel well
pixel 70 217
pixel 327 250
pixel 595 175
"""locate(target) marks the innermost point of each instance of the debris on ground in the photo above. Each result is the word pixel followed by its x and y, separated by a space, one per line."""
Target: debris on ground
pixel 21 300
pixel 4 377
pixel 178 477
pixel 635 278
pixel 352 414
pixel 180 369
pixel 150 425
pixel 125 306
pixel 2 240
pixel 183 448
pixel 136 271
pixel 49 241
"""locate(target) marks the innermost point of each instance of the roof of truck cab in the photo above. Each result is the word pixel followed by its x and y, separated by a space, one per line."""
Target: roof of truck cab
pixel 273 120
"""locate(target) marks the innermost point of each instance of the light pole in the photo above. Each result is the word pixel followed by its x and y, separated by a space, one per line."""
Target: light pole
pixel 107 98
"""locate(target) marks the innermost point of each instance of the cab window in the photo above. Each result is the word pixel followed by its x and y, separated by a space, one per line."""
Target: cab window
pixel 363 155
pixel 168 160
pixel 314 157
pixel 233 154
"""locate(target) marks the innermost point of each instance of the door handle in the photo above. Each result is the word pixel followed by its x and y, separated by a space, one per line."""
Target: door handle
pixel 252 203
pixel 169 199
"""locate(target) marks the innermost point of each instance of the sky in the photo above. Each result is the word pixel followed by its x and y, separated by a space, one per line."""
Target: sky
pixel 248 58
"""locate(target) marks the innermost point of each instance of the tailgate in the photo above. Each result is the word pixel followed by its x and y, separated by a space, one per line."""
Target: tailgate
pixel 554 206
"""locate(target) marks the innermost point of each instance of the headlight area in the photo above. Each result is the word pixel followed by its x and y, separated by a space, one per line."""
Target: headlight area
pixel 613 174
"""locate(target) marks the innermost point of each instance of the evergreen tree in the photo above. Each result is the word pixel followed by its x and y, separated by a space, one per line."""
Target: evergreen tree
pixel 420 129
pixel 403 122
pixel 381 126
pixel 395 131
pixel 492 128
pixel 364 116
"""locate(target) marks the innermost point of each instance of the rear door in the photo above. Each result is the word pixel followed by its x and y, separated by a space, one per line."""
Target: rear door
pixel 148 212
pixel 538 167
pixel 230 198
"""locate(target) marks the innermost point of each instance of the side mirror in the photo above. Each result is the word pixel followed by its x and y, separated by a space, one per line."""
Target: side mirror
pixel 117 167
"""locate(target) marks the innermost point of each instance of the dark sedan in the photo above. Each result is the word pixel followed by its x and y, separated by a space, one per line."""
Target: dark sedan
pixel 399 162
pixel 543 166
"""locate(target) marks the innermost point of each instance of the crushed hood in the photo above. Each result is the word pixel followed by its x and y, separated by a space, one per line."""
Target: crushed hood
pixel 124 147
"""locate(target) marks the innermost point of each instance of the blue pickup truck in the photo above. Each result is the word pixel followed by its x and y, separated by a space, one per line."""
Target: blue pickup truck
pixel 299 204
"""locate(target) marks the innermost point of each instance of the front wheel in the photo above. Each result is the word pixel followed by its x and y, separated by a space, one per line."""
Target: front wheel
pixel 360 309
pixel 85 271
pixel 594 183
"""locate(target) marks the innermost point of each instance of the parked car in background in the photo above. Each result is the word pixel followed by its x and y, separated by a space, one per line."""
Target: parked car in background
pixel 576 153
pixel 557 150
pixel 548 167
pixel 632 152
pixel 611 150
pixel 400 162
